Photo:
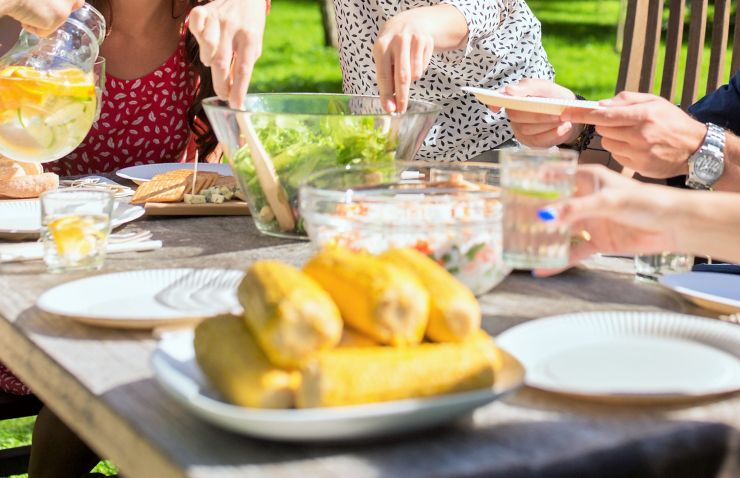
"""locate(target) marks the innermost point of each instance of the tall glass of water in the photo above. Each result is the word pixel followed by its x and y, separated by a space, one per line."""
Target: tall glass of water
pixel 533 179
pixel 652 266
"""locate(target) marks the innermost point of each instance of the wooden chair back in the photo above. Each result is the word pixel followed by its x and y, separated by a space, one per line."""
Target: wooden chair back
pixel 642 40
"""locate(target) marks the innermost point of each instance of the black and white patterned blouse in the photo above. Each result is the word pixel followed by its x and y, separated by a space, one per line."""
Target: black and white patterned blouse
pixel 503 47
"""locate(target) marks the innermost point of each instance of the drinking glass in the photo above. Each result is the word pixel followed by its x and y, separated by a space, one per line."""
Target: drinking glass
pixel 99 72
pixel 532 179
pixel 75 228
pixel 652 266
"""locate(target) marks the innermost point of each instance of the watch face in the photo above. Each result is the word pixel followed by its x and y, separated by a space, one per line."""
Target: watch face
pixel 708 168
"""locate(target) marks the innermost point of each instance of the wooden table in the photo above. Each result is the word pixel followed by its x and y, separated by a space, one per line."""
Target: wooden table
pixel 99 381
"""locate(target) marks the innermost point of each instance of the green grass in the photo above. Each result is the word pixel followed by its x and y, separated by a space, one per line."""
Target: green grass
pixel 579 36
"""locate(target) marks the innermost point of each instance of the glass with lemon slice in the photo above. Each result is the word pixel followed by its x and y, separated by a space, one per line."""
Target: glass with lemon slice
pixel 75 228
pixel 532 180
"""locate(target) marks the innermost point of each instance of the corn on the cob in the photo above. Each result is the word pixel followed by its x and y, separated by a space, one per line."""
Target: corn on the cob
pixel 351 338
pixel 231 359
pixel 380 300
pixel 351 376
pixel 290 315
pixel 454 313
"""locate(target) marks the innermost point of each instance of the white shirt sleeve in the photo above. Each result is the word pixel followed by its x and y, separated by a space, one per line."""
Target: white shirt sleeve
pixel 483 18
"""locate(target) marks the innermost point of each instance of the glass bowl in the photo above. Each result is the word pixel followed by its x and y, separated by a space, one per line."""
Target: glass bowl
pixel 449 211
pixel 277 140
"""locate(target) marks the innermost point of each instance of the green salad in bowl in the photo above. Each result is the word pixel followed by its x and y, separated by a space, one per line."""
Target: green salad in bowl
pixel 277 140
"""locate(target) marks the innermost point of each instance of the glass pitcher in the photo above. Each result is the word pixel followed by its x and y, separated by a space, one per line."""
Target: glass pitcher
pixel 47 89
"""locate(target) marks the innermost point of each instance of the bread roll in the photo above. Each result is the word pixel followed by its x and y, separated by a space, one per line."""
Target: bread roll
pixel 28 186
pixel 11 170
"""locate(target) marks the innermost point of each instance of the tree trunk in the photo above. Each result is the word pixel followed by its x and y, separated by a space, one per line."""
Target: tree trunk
pixel 330 23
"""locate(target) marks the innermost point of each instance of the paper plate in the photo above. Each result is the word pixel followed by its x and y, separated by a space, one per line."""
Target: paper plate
pixel 145 172
pixel 21 218
pixel 711 290
pixel 176 370
pixel 628 356
pixel 550 106
pixel 146 299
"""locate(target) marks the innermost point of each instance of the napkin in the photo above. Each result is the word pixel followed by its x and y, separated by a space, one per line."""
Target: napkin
pixel 29 251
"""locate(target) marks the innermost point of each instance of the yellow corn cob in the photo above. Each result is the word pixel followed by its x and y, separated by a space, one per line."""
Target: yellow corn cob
pixel 378 299
pixel 351 376
pixel 454 313
pixel 290 315
pixel 351 338
pixel 233 362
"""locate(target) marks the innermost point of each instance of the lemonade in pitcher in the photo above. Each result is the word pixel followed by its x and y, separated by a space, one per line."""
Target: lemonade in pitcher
pixel 44 115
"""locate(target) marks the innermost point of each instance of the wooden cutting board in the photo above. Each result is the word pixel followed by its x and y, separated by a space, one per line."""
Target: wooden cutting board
pixel 228 208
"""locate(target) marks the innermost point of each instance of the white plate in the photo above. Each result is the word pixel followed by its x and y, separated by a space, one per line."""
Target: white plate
pixel 22 217
pixel 145 172
pixel 176 370
pixel 146 299
pixel 711 290
pixel 628 356
pixel 551 106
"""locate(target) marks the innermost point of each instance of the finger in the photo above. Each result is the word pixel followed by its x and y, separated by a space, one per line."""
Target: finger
pixel 544 140
pixel 527 117
pixel 197 22
pixel 626 98
pixel 221 63
pixel 495 109
pixel 535 129
pixel 417 58
pixel 624 134
pixel 428 52
pixel 622 148
pixel 243 67
pixel 210 36
pixel 40 32
pixel 610 116
pixel 384 73
pixel 402 72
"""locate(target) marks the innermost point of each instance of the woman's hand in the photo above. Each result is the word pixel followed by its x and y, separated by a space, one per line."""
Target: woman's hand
pixel 620 215
pixel 40 17
pixel 405 46
pixel 230 33
pixel 540 130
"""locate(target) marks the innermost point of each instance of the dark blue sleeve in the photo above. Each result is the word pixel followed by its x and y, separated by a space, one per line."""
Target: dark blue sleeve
pixel 721 107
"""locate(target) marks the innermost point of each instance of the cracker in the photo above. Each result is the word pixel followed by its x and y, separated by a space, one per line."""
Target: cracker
pixel 228 181
pixel 161 190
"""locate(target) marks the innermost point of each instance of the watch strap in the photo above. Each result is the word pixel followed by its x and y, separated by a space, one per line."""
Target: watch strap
pixel 714 145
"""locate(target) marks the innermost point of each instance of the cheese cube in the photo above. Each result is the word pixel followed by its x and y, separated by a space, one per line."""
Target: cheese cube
pixel 216 198
pixel 195 199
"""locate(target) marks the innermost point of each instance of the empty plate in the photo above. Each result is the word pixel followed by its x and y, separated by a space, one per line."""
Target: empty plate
pixel 634 356
pixel 176 370
pixel 146 299
pixel 550 106
pixel 145 172
pixel 711 290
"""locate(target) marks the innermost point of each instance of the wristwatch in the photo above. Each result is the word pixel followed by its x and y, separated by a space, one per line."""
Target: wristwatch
pixel 707 164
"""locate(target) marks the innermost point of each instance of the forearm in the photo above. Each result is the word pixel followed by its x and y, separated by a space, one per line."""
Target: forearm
pixel 445 23
pixel 730 180
pixel 708 223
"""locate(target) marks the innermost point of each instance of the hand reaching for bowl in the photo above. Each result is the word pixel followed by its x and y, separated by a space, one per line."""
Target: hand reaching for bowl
pixel 405 46
pixel 229 33
pixel 540 130
pixel 40 17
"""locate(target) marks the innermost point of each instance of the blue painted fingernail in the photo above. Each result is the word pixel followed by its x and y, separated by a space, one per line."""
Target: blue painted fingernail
pixel 547 214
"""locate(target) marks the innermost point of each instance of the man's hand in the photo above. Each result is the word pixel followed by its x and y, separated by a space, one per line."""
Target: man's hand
pixel 644 132
pixel 230 33
pixel 40 17
pixel 535 129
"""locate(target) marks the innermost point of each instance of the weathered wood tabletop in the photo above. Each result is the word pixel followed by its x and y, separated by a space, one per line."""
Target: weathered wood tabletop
pixel 100 382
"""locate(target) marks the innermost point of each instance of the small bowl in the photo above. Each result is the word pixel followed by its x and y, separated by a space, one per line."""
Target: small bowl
pixel 449 211
pixel 276 140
